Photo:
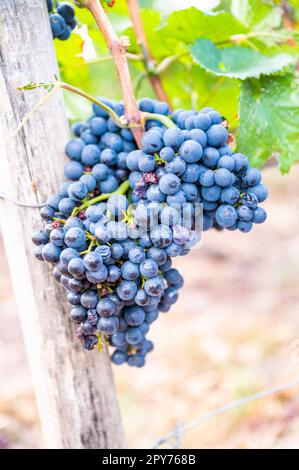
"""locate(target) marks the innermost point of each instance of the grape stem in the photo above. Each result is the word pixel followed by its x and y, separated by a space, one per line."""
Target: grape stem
pixel 166 121
pixel 148 60
pixel 119 120
pixel 122 189
pixel 118 48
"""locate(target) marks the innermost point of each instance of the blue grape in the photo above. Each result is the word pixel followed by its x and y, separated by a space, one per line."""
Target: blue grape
pixel 177 166
pixel 202 121
pixel 169 184
pixel 40 237
pixel 53 201
pixel 109 185
pixel 73 170
pixel 66 10
pixel 210 157
pixel 141 298
pixel 177 199
pixel 104 251
pixel 108 157
pixel 133 335
pixel 259 215
pixel 57 236
pixel 146 105
pixel 129 271
pixel 90 155
pixel 230 195
pixel 173 137
pixel 137 254
pixel 147 163
pixel 77 191
pixel 260 191
pixel 126 290
pixel 217 135
pixel 244 213
pixel 191 151
pixel 226 215
pixel 244 226
pixel 161 236
pixel 92 261
pixel 154 193
pixel 100 171
pixel 192 173
pixel 114 273
pixel 117 204
pixel 78 314
pixel 154 286
pixel 89 181
pixel 108 325
pixel 226 161
pixel 224 177
pixel 119 357
pixel 58 24
pixel 98 276
pixel 169 215
pixel 50 252
pixel 151 141
pixel 47 212
pixel 134 315
pixel 241 162
pixel 252 177
pixel 149 268
pixel 74 149
pixel 199 136
pixel 88 137
pixel 98 125
pixel 106 308
pixel 250 200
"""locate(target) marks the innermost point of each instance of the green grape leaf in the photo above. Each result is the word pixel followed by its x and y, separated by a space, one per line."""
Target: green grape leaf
pixel 256 14
pixel 269 120
pixel 236 62
pixel 159 47
pixel 190 86
pixel 190 24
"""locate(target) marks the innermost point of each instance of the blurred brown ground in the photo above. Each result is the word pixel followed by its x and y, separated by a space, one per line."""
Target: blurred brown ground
pixel 234 331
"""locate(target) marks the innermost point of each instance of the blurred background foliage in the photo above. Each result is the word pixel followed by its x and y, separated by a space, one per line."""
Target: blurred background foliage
pixel 239 56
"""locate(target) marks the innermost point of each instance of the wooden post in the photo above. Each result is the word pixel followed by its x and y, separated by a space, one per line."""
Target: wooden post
pixel 74 389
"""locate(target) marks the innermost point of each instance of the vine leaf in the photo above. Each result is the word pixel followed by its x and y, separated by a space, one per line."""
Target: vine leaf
pixel 269 120
pixel 236 62
pixel 257 15
pixel 159 48
pixel 190 24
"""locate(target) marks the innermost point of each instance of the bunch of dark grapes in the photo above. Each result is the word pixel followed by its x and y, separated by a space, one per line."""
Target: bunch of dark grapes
pixel 62 19
pixel 193 162
pixel 112 229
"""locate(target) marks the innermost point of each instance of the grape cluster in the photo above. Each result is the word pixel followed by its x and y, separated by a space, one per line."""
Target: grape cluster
pixel 114 226
pixel 62 19
pixel 193 163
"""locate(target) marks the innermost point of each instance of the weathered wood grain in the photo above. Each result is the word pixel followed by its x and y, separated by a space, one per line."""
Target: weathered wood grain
pixel 75 390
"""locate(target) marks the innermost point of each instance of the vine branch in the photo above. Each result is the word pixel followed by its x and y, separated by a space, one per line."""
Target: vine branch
pixel 52 86
pixel 148 60
pixel 118 48
pixel 121 121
